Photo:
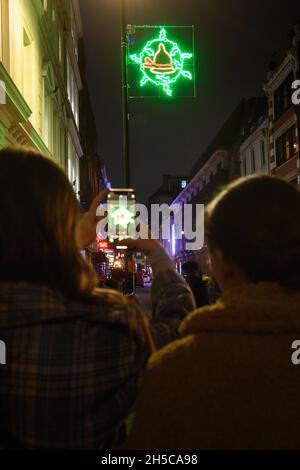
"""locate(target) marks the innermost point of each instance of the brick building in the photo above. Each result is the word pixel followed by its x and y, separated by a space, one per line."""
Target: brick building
pixel 284 122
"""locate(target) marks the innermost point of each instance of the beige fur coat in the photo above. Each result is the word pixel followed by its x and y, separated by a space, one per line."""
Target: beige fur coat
pixel 229 383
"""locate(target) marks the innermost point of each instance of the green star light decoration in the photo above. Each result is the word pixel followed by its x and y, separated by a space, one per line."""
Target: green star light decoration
pixel 162 63
pixel 122 216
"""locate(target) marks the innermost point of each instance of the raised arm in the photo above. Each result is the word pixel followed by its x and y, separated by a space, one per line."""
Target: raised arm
pixel 172 298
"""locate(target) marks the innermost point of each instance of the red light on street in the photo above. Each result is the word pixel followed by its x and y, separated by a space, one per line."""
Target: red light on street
pixel 103 245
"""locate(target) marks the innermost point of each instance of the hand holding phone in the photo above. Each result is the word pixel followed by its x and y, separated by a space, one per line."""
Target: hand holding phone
pixel 121 214
pixel 86 230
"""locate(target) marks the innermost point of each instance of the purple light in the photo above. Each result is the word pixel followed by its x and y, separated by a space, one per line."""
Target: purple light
pixel 173 241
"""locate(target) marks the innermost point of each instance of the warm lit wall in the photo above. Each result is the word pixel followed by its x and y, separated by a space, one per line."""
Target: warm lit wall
pixel 253 160
pixel 26 56
pixel 35 40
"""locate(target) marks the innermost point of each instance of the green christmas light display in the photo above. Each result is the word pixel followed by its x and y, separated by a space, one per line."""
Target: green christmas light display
pixel 162 63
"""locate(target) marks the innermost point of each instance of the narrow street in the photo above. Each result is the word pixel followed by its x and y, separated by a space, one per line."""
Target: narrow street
pixel 143 296
pixel 150 232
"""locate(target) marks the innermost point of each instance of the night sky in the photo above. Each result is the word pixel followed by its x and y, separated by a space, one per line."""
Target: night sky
pixel 235 41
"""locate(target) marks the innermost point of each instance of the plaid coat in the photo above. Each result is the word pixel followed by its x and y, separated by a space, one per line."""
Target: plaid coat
pixel 73 367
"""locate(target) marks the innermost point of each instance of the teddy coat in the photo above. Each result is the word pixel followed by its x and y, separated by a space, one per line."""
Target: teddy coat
pixel 229 382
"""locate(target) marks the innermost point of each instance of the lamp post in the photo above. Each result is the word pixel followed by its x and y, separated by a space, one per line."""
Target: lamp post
pixel 125 105
pixel 130 284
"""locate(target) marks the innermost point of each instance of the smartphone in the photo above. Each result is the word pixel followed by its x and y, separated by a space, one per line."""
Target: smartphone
pixel 121 215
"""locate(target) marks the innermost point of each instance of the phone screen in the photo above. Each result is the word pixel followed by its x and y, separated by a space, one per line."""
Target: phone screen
pixel 121 213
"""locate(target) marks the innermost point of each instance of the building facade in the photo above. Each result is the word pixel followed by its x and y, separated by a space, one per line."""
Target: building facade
pixel 200 190
pixel 284 119
pixel 171 186
pixel 254 150
pixel 92 169
pixel 40 72
pixel 260 137
pixel 218 165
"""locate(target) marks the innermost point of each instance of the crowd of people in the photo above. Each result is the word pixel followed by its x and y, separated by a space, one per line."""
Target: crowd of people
pixel 88 369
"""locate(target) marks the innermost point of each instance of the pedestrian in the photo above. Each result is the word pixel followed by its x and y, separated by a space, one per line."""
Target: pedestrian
pixel 75 354
pixel 229 382
pixel 116 279
pixel 194 278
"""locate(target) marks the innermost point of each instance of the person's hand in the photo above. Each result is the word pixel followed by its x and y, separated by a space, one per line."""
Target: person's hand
pixel 157 255
pixel 86 231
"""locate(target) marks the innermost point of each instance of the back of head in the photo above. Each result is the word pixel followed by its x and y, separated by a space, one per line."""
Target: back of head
pixel 118 274
pixel 191 267
pixel 39 215
pixel 255 223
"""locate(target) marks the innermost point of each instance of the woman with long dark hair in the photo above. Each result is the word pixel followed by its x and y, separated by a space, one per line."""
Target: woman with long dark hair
pixel 74 353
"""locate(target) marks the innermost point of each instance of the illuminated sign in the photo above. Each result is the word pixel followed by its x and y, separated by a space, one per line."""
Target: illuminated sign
pixel 162 62
pixel 103 245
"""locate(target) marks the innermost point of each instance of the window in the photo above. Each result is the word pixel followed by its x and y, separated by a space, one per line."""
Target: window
pixel 74 33
pixel 286 146
pixel 263 153
pixel 57 139
pixel 27 83
pixel 72 91
pixel 183 184
pixel 283 96
pixel 253 165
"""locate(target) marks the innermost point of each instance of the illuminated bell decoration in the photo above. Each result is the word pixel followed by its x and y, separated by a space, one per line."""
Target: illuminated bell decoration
pixel 162 63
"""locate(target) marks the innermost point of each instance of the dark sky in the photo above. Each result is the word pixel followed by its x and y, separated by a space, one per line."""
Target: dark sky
pixel 234 42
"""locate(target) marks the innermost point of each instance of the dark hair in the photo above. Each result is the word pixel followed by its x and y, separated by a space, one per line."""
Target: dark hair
pixel 191 266
pixel 39 216
pixel 255 223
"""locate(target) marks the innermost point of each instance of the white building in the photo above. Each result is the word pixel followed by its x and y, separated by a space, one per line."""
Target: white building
pixel 243 133
pixel 254 151
pixel 39 70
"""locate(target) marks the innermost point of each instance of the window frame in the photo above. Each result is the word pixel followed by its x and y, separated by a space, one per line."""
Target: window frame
pixel 282 96
pixel 285 143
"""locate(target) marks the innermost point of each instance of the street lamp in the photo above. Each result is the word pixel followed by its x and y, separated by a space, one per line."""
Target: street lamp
pixel 125 105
